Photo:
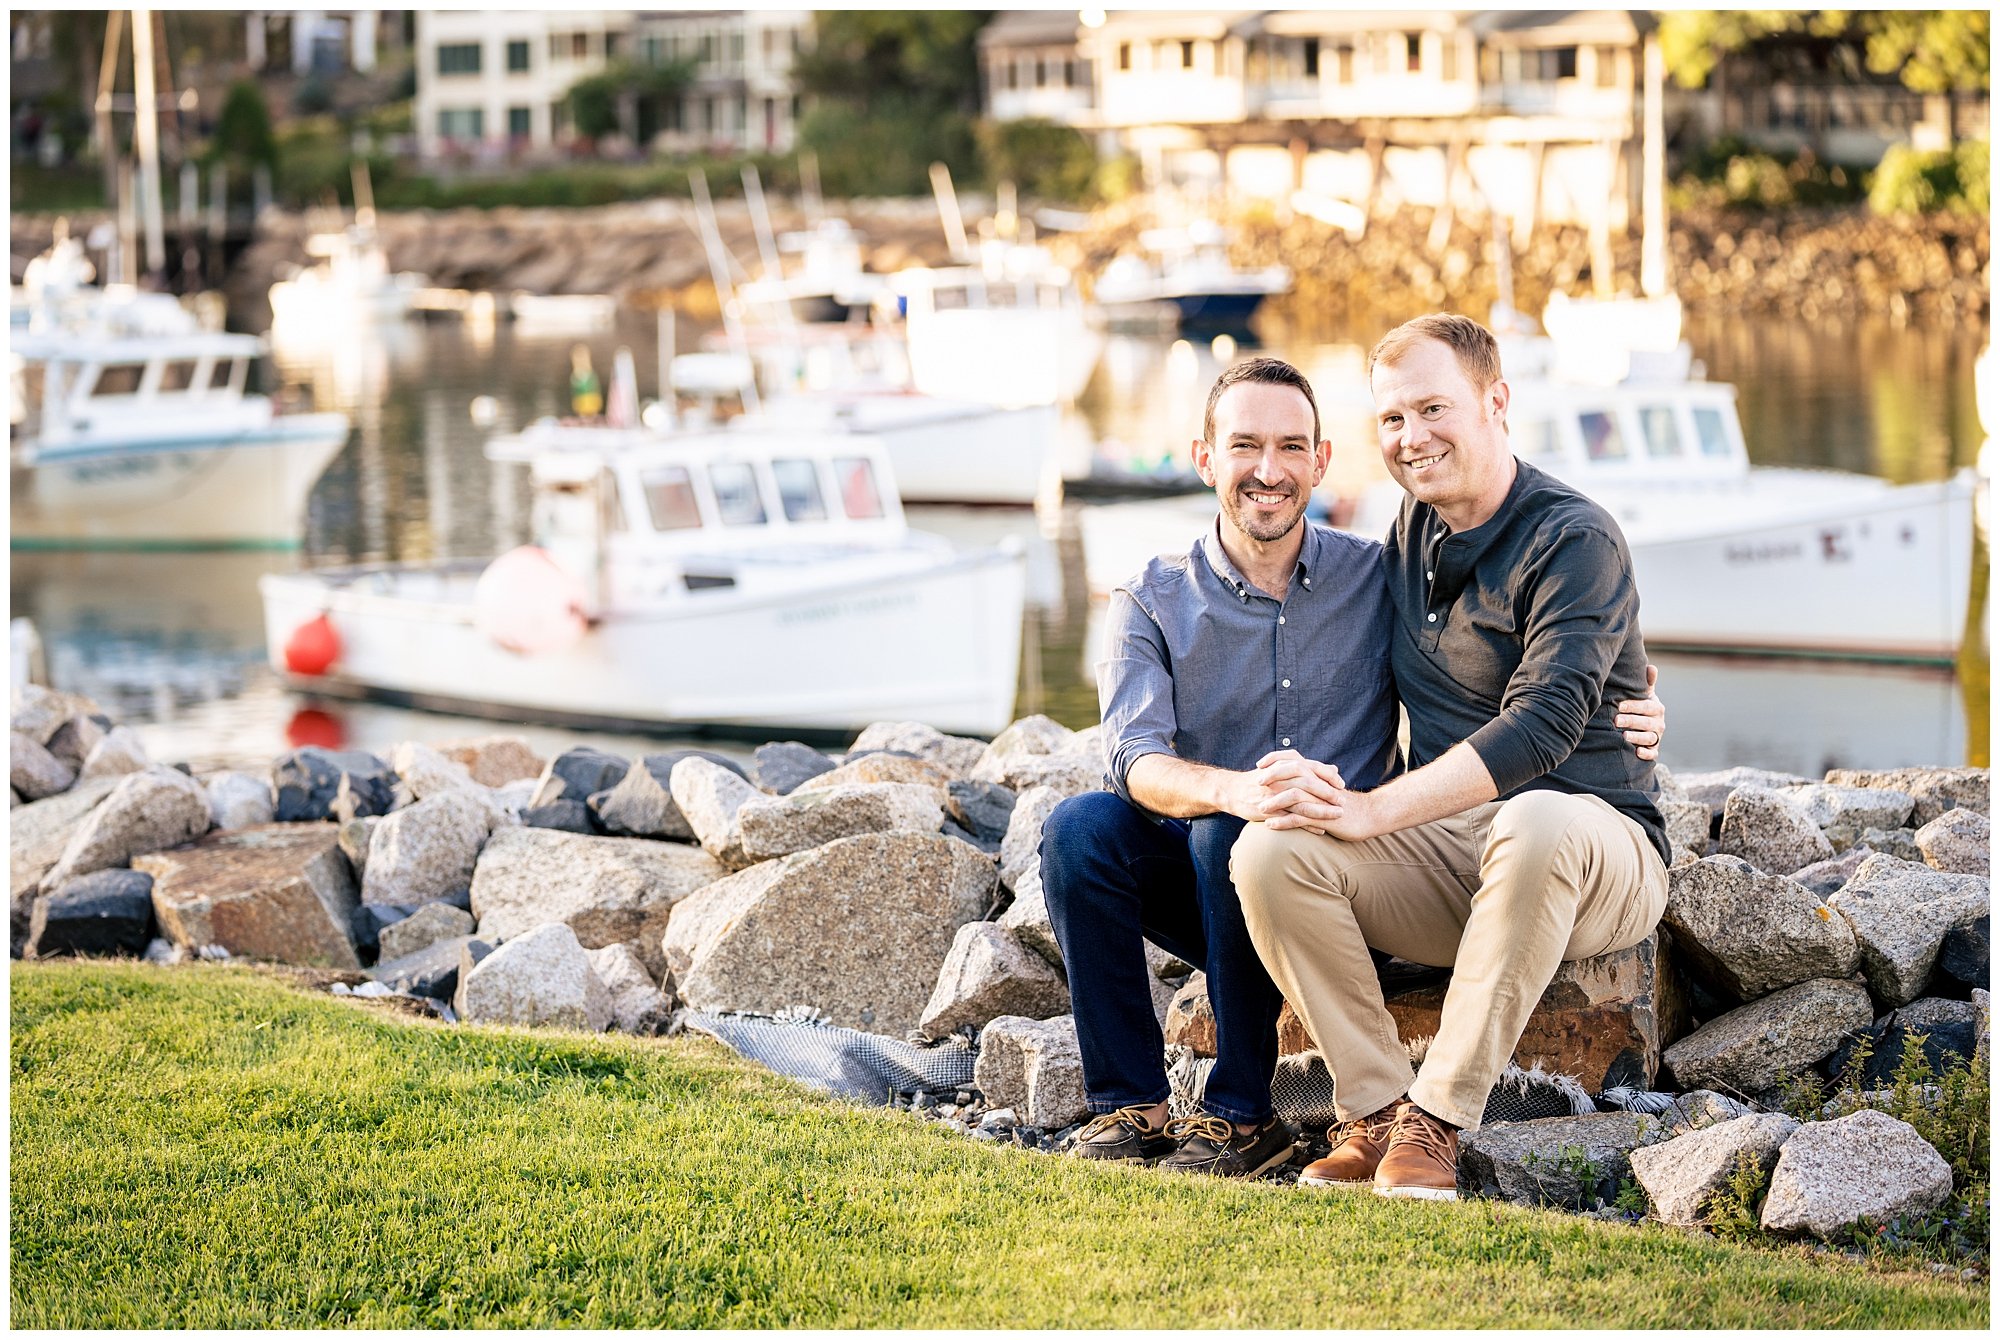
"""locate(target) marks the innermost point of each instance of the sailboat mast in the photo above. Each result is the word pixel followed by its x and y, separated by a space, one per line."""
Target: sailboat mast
pixel 145 97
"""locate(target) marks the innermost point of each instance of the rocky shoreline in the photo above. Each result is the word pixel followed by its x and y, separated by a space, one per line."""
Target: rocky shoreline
pixel 873 922
pixel 1806 263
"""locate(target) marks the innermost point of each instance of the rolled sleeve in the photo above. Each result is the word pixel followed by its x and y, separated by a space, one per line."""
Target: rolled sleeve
pixel 1135 691
pixel 1581 606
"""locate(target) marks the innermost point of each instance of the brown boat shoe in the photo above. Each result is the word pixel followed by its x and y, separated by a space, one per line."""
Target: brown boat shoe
pixel 1358 1146
pixel 1421 1162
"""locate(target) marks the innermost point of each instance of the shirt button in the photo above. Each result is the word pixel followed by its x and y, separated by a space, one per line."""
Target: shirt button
pixel 1281 618
pixel 1284 683
pixel 1431 618
pixel 1287 741
pixel 1430 576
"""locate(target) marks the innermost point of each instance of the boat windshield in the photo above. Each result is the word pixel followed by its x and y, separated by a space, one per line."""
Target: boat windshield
pixel 1713 432
pixel 737 500
pixel 1602 438
pixel 670 498
pixel 178 374
pixel 118 379
pixel 798 490
pixel 1534 439
pixel 859 497
pixel 1663 433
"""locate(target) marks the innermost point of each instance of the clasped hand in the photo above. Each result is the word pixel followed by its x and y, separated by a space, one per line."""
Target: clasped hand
pixel 1288 790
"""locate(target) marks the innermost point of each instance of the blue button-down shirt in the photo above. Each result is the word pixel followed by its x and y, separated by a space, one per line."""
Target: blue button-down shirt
pixel 1205 666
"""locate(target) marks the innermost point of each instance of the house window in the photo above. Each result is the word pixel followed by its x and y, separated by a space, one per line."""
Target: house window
pixel 1413 52
pixel 461 123
pixel 742 114
pixel 1449 70
pixel 707 52
pixel 1312 57
pixel 1607 67
pixel 1187 55
pixel 1124 55
pixel 520 123
pixel 579 46
pixel 736 48
pixel 1013 74
pixel 517 57
pixel 1565 62
pixel 1343 68
pixel 458 58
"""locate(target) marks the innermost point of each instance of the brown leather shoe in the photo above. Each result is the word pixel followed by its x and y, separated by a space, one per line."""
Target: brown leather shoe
pixel 1421 1162
pixel 1357 1148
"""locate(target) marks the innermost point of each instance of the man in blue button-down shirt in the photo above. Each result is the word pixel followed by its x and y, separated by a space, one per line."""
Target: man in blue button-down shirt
pixel 1269 636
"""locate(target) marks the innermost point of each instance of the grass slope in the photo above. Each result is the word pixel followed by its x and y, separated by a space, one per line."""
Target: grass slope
pixel 209 1147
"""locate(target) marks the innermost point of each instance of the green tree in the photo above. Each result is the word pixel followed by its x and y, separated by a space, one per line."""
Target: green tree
pixel 890 92
pixel 243 128
pixel 598 103
pixel 1931 50
pixel 1043 158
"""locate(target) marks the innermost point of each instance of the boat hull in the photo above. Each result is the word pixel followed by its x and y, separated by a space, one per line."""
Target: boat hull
pixel 969 455
pixel 1003 356
pixel 247 491
pixel 940 645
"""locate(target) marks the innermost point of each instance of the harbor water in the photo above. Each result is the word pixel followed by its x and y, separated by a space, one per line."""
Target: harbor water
pixel 173 642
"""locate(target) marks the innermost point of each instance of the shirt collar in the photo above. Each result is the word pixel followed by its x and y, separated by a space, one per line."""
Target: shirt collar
pixel 1219 561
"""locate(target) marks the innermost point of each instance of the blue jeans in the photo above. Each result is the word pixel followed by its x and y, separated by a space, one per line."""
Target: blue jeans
pixel 1114 877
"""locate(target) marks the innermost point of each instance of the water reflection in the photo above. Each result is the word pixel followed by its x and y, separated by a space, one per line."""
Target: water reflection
pixel 175 642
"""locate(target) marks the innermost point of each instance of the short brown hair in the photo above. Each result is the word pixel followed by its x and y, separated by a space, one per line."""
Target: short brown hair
pixel 1478 352
pixel 1269 372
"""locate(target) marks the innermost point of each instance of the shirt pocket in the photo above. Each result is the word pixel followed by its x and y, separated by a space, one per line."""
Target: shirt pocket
pixel 1337 681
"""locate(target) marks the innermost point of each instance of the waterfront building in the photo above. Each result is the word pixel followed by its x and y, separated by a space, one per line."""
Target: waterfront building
pixel 493 83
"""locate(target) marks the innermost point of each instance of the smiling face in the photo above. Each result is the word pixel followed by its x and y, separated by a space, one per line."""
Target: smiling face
pixel 1262 462
pixel 1443 438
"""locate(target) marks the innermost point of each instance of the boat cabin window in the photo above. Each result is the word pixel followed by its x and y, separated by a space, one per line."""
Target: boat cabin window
pixel 1712 431
pixel 1663 434
pixel 118 379
pixel 178 374
pixel 1602 439
pixel 798 490
pixel 670 498
pixel 737 501
pixel 1534 439
pixel 859 497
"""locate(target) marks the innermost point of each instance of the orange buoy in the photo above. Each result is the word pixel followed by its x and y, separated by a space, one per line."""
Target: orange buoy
pixel 311 725
pixel 313 647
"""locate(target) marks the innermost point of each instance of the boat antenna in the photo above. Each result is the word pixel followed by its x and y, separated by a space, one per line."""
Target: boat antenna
pixel 760 219
pixel 947 203
pixel 809 186
pixel 1653 192
pixel 146 103
pixel 718 269
pixel 364 195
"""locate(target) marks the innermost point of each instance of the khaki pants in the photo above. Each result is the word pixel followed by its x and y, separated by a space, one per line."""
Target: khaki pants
pixel 1501 894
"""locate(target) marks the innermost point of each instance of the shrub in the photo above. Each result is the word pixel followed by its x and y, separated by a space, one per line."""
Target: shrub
pixel 888 149
pixel 243 128
pixel 1912 181
pixel 1046 160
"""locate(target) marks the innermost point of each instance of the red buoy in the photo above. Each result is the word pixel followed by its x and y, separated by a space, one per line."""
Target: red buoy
pixel 313 647
pixel 310 725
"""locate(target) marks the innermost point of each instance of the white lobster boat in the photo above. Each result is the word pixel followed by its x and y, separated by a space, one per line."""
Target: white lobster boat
pixel 1727 556
pixel 1011 331
pixel 149 440
pixel 729 580
pixel 350 283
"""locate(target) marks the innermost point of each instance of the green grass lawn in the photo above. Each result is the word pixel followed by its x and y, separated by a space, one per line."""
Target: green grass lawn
pixel 209 1146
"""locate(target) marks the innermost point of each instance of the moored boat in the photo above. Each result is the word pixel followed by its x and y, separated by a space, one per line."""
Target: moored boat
pixel 1185 279
pixel 725 580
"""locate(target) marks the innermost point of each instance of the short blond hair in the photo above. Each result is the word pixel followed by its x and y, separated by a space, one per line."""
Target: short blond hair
pixel 1477 351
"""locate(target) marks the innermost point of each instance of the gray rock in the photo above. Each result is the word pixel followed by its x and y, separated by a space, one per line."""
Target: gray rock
pixel 1826 878
pixel 1034 1067
pixel 640 806
pixel 1026 738
pixel 1028 918
pixel 989 973
pixel 1935 789
pixel 35 772
pixel 1751 1048
pixel 1066 774
pixel 541 978
pixel 426 851
pixel 40 711
pixel 239 800
pixel 1569 1162
pixel 578 774
pixel 431 970
pixel 1959 842
pixel 984 808
pixel 38 832
pixel 1746 933
pixel 164 953
pixel 1683 1173
pixel 1949 1030
pixel 145 812
pixel 1857 806
pixel 308 782
pixel 495 760
pixel 109 912
pixel 565 816
pixel 425 772
pixel 74 739
pixel 611 890
pixel 357 838
pixel 423 928
pixel 281 892
pixel 1966 955
pixel 857 929
pixel 638 1005
pixel 1901 912
pixel 1687 825
pixel 1770 831
pixel 366 922
pixel 1021 849
pixel 470 955
pixel 1713 788
pixel 710 795
pixel 865 769
pixel 1831 1173
pixel 1900 843
pixel 772 826
pixel 1700 1109
pixel 120 752
pixel 1670 785
pixel 955 754
pixel 778 768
